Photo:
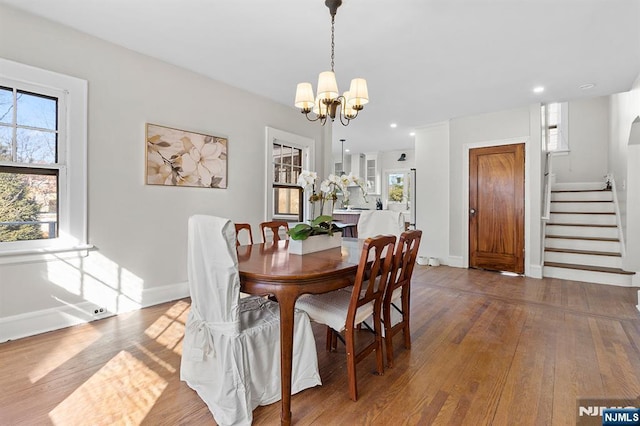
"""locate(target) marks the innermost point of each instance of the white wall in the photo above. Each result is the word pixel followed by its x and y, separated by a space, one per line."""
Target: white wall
pixel 624 164
pixel 443 171
pixel 588 140
pixel 139 231
pixel 432 200
pixel 485 130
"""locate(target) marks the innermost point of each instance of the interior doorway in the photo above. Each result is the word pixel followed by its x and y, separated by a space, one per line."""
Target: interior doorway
pixel 496 208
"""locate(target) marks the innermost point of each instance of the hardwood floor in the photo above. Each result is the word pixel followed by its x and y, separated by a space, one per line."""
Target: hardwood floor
pixel 487 349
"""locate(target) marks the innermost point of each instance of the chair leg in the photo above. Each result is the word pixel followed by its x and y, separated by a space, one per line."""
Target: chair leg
pixel 329 339
pixel 351 364
pixel 388 336
pixel 388 342
pixel 405 318
pixel 378 329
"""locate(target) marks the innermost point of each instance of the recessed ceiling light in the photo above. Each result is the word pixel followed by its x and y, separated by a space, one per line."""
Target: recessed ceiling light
pixel 538 89
pixel 394 125
pixel 412 134
pixel 587 86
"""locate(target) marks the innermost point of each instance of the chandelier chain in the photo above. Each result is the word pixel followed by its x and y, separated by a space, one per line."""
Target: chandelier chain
pixel 333 18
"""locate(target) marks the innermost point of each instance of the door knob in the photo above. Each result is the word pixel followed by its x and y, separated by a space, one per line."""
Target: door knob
pixel 472 212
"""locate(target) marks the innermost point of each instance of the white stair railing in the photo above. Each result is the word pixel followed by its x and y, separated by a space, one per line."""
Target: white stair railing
pixel 611 183
pixel 549 178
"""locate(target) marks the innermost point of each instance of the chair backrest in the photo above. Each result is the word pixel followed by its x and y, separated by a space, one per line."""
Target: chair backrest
pixel 240 227
pixel 404 260
pixel 212 267
pixel 377 222
pixel 274 226
pixel 372 275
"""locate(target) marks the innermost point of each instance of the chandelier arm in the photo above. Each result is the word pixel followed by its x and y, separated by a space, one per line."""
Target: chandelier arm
pixel 306 114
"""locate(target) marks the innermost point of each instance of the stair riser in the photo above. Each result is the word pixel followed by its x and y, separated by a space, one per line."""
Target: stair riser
pixel 581 231
pixel 588 245
pixel 578 186
pixel 582 196
pixel 584 219
pixel 598 207
pixel 587 276
pixel 583 259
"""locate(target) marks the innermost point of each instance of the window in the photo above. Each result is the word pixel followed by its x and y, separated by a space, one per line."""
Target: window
pixel 398 187
pixel 555 116
pixel 287 155
pixel 287 195
pixel 42 161
pixel 29 173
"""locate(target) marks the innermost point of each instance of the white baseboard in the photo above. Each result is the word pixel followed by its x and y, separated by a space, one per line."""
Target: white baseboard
pixel 535 271
pixel 42 321
pixel 456 261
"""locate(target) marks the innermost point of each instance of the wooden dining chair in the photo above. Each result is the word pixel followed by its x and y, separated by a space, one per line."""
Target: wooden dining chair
pixel 274 226
pixel 240 227
pixel 396 318
pixel 343 310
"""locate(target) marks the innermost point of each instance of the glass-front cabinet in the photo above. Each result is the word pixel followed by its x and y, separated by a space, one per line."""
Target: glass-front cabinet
pixel 372 175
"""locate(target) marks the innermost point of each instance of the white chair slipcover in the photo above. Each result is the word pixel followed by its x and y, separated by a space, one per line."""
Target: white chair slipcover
pixel 380 222
pixel 231 348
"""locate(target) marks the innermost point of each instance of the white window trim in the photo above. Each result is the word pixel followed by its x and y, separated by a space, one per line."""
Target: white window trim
pixel 308 154
pixel 72 215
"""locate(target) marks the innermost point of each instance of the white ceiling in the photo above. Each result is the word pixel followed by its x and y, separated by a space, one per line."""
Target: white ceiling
pixel 424 60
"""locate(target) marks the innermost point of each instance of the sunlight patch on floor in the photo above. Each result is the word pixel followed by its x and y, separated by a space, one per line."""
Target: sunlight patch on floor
pixel 123 392
pixel 62 350
pixel 168 329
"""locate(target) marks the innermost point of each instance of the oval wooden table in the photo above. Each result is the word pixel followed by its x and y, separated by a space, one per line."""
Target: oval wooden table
pixel 269 268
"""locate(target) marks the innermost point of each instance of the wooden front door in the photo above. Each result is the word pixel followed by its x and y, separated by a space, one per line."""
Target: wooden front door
pixel 496 208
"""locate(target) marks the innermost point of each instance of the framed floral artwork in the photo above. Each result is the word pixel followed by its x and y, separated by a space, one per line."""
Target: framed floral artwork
pixel 182 158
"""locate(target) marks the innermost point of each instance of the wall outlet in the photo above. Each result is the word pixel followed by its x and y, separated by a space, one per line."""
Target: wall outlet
pixel 99 311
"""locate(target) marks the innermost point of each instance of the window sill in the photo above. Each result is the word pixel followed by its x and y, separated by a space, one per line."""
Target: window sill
pixel 44 254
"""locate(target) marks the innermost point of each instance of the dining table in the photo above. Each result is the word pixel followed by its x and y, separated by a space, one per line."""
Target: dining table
pixel 269 269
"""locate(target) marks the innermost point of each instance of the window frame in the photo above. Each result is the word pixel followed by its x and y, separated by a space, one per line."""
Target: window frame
pixel 561 127
pixel 307 146
pixel 71 160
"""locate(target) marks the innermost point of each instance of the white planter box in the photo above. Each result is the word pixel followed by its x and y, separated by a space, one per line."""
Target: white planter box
pixel 315 243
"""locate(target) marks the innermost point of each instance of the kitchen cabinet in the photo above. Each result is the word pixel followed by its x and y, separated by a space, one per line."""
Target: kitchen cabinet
pixel 372 173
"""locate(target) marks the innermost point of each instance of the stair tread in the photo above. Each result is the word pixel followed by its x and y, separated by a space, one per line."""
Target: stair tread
pixel 609 213
pixel 581 224
pixel 581 201
pixel 591 252
pixel 568 237
pixel 589 268
pixel 580 190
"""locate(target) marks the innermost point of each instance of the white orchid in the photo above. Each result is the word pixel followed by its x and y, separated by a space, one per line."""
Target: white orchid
pixel 307 179
pixel 329 187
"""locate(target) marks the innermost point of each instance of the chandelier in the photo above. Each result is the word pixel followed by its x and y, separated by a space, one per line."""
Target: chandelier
pixel 329 103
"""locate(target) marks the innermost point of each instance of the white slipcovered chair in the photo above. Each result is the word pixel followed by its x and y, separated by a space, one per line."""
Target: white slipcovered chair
pixel 231 348
pixel 380 222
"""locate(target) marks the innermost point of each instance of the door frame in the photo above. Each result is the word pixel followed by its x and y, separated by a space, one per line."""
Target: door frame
pixel 527 198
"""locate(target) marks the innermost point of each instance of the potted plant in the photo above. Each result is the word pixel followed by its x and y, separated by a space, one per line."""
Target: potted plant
pixel 321 225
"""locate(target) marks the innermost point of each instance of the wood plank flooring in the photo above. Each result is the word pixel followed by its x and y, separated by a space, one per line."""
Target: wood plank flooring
pixel 487 349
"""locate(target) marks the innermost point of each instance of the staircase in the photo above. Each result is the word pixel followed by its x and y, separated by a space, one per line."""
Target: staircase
pixel 582 237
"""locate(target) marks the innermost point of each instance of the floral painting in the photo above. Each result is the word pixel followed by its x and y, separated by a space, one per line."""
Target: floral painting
pixel 181 158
